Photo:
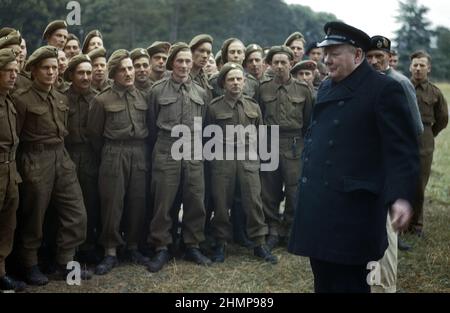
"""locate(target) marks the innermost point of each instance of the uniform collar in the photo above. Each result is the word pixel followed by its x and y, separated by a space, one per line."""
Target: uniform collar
pixel 43 94
pixel 420 84
pixel 288 83
pixel 232 102
pixel 186 84
pixel 121 90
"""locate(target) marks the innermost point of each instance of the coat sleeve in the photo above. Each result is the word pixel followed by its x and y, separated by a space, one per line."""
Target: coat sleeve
pixel 399 143
pixel 441 114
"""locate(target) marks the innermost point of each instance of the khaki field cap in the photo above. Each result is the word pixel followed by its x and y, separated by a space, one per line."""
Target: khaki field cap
pixel 224 71
pixel 6 56
pixel 338 33
pixel 252 48
pixel 89 36
pixel 173 53
pixel 52 27
pixel 73 63
pixel 97 53
pixel 45 52
pixel 13 38
pixel 158 47
pixel 279 49
pixel 199 39
pixel 5 31
pixel 309 65
pixel 139 53
pixel 294 36
pixel 114 61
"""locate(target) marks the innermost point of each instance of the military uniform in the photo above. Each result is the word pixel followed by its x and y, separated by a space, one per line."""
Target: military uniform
pixel 176 103
pixel 9 178
pixel 81 151
pixel 434 113
pixel 250 88
pixel 117 123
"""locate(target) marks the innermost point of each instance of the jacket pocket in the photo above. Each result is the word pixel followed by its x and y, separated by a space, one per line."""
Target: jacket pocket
pixel 116 116
pixel 350 184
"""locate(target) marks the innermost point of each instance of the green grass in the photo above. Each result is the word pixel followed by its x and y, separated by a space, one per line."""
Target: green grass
pixel 424 269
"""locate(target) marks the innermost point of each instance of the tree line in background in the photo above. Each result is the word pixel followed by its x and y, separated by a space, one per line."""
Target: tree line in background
pixel 137 23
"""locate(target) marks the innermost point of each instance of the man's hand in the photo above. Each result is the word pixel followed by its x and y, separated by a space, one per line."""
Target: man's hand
pixel 401 214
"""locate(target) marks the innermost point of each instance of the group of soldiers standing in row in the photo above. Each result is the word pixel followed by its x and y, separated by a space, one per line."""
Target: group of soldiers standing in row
pixel 93 141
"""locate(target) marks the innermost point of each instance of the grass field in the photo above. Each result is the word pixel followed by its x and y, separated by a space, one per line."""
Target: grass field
pixel 424 269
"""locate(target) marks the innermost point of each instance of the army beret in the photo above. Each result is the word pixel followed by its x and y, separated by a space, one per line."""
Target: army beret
pixel 115 59
pixel 97 53
pixel 54 26
pixel 6 56
pixel 225 46
pixel 338 33
pixel 310 47
pixel 89 36
pixel 279 49
pixel 6 31
pixel 179 46
pixel 294 36
pixel 380 43
pixel 42 53
pixel 139 53
pixel 199 39
pixel 309 65
pixel 13 38
pixel 158 47
pixel 224 71
pixel 73 37
pixel 73 63
pixel 252 48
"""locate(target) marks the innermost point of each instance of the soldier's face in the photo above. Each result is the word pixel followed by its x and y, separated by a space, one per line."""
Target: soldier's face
pixel 8 76
pixel 420 68
pixel 125 73
pixel 82 76
pixel 211 66
pixel 379 59
pixel 305 75
pixel 281 65
pixel 342 60
pixel 159 62
pixel 254 64
pixel 46 72
pixel 182 65
pixel 94 43
pixel 23 54
pixel 298 47
pixel 99 69
pixel 72 49
pixel 393 62
pixel 234 82
pixel 201 55
pixel 58 38
pixel 316 54
pixel 142 69
pixel 236 52
pixel 62 62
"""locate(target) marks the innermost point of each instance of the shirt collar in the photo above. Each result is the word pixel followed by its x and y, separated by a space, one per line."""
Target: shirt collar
pixel 121 90
pixel 43 94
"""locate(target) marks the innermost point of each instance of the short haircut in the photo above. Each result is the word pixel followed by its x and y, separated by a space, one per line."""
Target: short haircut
pixel 420 54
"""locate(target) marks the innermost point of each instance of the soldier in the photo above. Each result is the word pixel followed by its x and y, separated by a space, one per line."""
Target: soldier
pixel 211 66
pixel 201 47
pixel 233 50
pixel 378 56
pixel 219 62
pixel 141 63
pixel 296 41
pixel 72 47
pixel 434 113
pixel 393 61
pixel 80 95
pixel 61 84
pixel 176 100
pixel 238 175
pixel 48 173
pixel 316 54
pixel 288 103
pixel 56 34
pixel 9 177
pixel 100 79
pixel 253 62
pixel 93 40
pixel 117 124
pixel 158 52
pixel 305 71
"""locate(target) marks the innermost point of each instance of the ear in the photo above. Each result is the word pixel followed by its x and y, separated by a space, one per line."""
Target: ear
pixel 359 56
